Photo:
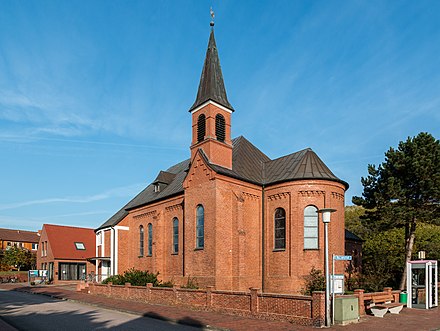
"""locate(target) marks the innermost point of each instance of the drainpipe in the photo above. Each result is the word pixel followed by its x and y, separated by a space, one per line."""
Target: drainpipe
pixel 263 240
pixel 183 237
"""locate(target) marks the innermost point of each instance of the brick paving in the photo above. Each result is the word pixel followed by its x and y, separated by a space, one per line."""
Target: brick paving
pixel 408 319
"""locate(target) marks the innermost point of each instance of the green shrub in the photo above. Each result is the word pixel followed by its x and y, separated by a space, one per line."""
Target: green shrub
pixel 134 277
pixel 115 280
pixel 191 283
pixel 140 278
pixel 314 281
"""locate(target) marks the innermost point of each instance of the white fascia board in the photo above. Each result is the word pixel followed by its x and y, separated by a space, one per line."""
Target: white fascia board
pixel 120 227
pixel 213 103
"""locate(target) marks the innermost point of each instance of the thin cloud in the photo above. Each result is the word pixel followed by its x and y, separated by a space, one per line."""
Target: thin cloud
pixel 116 192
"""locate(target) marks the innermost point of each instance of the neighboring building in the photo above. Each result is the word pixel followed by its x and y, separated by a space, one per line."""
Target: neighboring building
pixel 353 247
pixel 63 251
pixel 229 216
pixel 19 238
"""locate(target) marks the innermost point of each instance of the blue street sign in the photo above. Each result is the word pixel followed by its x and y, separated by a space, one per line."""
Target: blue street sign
pixel 342 257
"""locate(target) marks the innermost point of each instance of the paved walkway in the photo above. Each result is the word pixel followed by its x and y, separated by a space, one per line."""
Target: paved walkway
pixel 408 319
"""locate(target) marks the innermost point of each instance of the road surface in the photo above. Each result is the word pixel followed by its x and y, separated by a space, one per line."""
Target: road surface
pixel 32 312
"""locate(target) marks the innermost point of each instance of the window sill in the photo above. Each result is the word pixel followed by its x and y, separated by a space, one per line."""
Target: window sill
pixel 199 248
pixel 140 256
pixel 279 250
pixel 310 249
pixel 175 253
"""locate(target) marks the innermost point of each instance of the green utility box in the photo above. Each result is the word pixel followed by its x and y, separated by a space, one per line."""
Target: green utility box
pixel 346 310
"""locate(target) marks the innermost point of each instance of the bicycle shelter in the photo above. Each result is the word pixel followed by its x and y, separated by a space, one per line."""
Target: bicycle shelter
pixel 422 284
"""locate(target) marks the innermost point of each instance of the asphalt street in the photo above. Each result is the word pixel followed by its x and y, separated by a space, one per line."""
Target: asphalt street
pixel 36 312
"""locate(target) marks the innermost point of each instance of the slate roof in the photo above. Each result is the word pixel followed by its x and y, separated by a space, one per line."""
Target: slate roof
pixel 176 174
pixel 19 236
pixel 351 236
pixel 62 241
pixel 248 164
pixel 211 86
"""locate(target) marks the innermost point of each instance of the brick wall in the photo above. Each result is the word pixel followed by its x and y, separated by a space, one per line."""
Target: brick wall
pixel 304 310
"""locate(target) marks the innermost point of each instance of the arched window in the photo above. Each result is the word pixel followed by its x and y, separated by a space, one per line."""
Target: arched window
pixel 175 235
pixel 220 127
pixel 201 127
pixel 150 239
pixel 280 228
pixel 200 227
pixel 311 227
pixel 141 240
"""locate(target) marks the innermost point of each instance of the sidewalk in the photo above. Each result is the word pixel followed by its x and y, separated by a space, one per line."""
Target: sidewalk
pixel 408 319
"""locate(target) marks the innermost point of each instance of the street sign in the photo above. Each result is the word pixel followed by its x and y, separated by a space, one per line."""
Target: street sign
pixel 342 257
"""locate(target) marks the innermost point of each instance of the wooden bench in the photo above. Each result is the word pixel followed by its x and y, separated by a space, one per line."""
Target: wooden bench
pixel 382 303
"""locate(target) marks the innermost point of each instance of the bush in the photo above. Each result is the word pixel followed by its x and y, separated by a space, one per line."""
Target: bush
pixel 191 283
pixel 314 281
pixel 115 280
pixel 134 277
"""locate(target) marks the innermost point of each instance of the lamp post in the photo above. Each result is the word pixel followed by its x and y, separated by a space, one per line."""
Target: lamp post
pixel 326 220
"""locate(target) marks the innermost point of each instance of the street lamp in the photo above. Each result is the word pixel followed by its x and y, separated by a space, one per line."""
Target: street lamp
pixel 326 219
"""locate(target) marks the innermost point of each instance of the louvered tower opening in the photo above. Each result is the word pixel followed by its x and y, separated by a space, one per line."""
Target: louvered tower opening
pixel 220 127
pixel 201 128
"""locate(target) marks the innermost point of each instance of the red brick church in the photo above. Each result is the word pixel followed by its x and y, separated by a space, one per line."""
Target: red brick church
pixel 228 216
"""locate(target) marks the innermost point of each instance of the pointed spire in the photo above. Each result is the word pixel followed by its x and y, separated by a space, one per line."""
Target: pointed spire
pixel 211 85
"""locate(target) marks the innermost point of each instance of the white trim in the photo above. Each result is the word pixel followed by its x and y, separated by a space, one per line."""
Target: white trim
pixel 213 103
pixel 116 250
pixel 120 227
pixel 103 243
pixel 112 258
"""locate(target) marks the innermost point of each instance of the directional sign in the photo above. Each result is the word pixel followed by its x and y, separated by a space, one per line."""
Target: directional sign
pixel 342 257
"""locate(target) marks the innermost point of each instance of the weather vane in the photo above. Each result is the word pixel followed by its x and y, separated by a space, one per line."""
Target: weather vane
pixel 212 16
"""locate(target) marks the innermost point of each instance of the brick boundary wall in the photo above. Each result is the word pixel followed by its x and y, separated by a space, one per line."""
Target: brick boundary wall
pixel 302 310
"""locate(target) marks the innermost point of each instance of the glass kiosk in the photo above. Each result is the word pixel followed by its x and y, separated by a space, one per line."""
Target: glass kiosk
pixel 421 284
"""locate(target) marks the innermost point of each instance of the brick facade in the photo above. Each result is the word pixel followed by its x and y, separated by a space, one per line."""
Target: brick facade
pixel 239 196
pixel 57 247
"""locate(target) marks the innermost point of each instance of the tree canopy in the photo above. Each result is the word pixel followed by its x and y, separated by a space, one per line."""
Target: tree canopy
pixel 20 258
pixel 404 190
pixel 404 187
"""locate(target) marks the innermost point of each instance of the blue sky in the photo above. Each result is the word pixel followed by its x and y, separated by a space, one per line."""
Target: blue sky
pixel 94 95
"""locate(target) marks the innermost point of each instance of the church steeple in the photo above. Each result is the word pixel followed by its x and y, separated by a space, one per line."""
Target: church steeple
pixel 211 112
pixel 211 86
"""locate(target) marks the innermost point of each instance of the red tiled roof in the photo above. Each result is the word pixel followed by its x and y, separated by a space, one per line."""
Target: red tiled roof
pixel 19 236
pixel 62 241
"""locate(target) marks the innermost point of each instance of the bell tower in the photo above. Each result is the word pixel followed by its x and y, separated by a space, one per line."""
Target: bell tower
pixel 211 112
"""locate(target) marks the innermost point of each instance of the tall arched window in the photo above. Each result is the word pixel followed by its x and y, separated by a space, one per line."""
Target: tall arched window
pixel 150 239
pixel 220 127
pixel 201 127
pixel 311 227
pixel 280 228
pixel 200 227
pixel 175 235
pixel 141 240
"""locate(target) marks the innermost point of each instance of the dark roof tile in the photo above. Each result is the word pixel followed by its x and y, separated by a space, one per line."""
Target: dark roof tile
pixel 248 164
pixel 211 86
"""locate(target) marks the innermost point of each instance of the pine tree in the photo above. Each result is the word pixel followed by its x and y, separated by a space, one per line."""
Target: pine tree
pixel 404 190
